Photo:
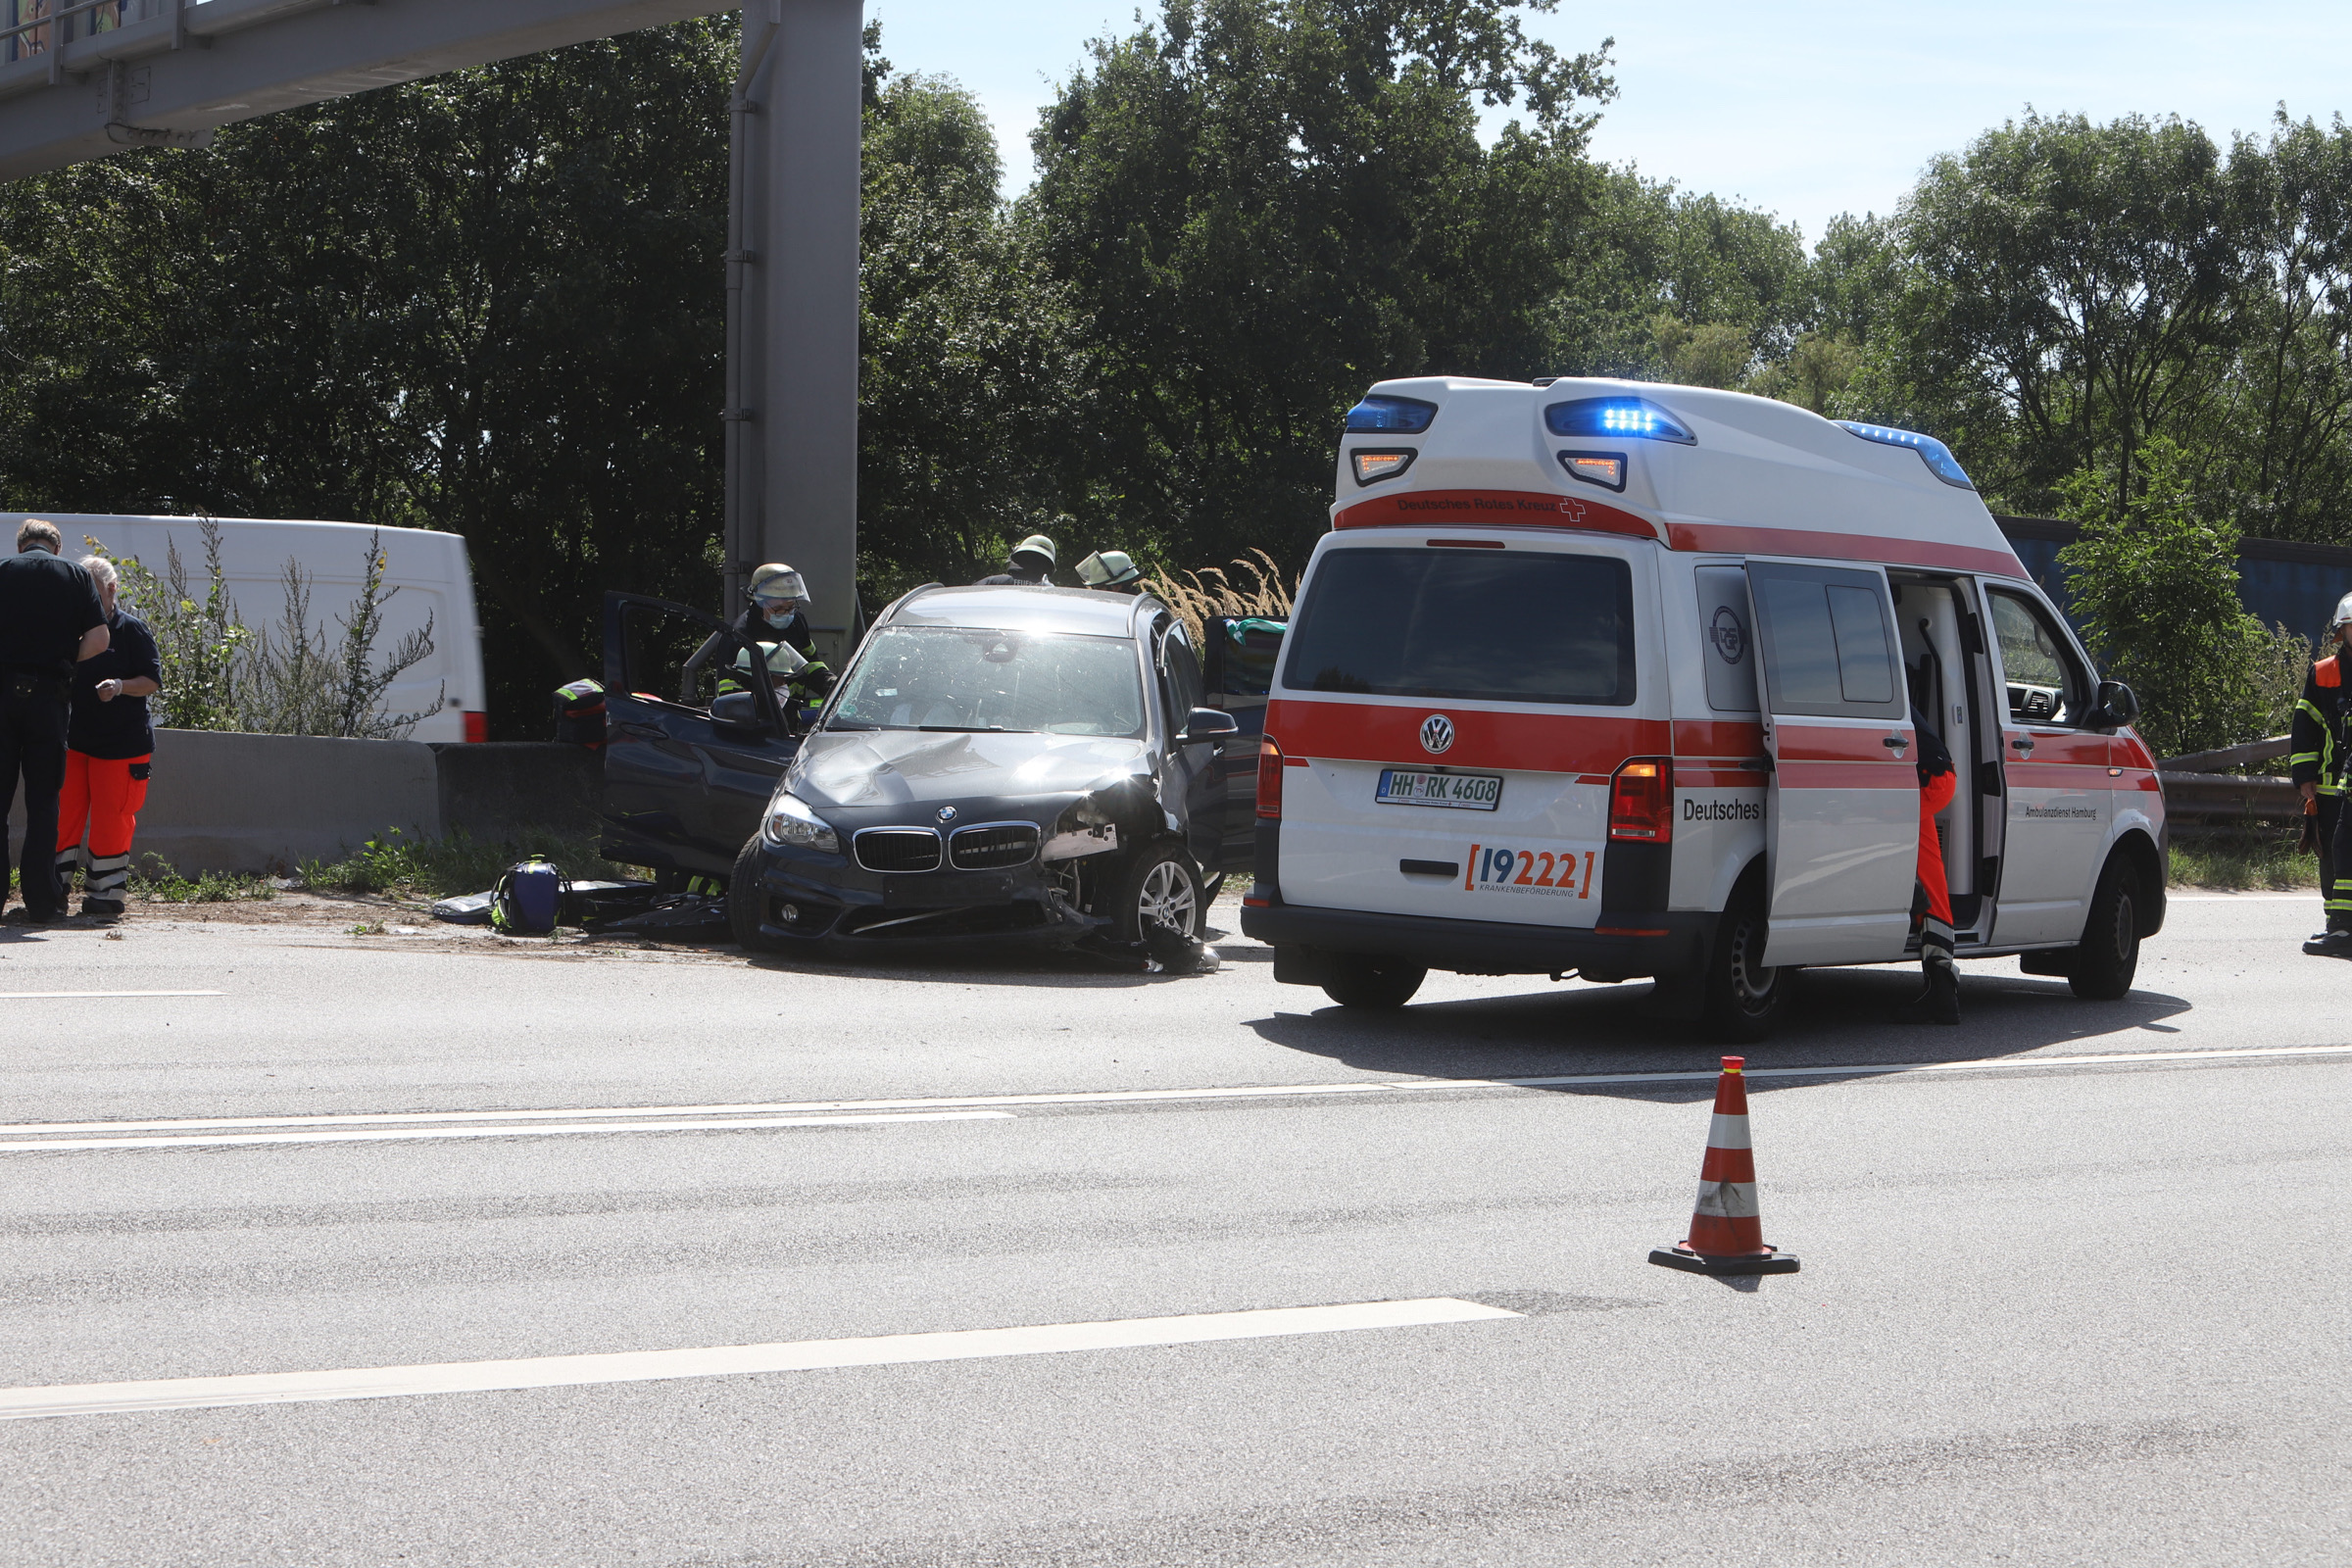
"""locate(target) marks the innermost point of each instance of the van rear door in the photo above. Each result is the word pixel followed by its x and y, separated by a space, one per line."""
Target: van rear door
pixel 1451 709
pixel 1841 819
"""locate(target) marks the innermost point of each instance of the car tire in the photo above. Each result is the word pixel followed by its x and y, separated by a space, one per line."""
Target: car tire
pixel 1161 880
pixel 745 901
pixel 1364 980
pixel 1743 998
pixel 2108 955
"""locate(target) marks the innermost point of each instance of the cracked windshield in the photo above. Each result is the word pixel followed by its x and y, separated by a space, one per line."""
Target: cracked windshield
pixel 962 679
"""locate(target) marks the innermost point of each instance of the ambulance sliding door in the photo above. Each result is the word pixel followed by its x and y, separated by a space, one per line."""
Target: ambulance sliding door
pixel 1841 814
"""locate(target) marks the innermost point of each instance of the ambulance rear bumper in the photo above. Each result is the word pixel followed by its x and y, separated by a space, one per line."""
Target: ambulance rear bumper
pixel 1623 948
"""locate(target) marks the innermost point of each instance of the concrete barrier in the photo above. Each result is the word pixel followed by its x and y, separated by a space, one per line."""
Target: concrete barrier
pixel 223 802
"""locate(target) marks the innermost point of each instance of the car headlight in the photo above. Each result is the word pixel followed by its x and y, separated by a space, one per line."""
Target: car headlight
pixel 792 824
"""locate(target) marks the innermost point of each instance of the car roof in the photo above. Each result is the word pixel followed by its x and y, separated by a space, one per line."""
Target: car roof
pixel 1085 612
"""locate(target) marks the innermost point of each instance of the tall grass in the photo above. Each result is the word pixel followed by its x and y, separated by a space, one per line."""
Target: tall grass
pixel 1198 596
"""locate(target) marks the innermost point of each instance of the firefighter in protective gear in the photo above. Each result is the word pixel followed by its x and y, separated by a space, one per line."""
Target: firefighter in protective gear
pixel 1111 571
pixel 1030 565
pixel 2319 761
pixel 779 609
pixel 797 680
pixel 1939 1002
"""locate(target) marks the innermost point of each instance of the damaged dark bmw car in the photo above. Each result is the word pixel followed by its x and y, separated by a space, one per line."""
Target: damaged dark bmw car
pixel 997 764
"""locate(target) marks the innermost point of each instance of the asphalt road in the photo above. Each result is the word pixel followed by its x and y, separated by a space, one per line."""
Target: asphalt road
pixel 2052 1310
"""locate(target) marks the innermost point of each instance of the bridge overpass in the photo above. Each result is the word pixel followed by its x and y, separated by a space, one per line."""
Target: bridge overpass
pixel 83 78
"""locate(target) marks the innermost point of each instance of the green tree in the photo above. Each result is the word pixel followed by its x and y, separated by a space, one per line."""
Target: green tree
pixel 2154 582
pixel 1258 206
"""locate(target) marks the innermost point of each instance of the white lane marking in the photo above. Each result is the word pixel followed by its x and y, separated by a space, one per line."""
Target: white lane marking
pixel 2242 898
pixel 530 1130
pixel 95 995
pixel 1117 1097
pixel 800 1355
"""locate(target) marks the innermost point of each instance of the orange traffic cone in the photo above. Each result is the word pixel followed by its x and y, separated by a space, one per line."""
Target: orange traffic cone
pixel 1725 1236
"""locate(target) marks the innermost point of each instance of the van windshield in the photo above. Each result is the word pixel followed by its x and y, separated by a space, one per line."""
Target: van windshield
pixel 1492 625
pixel 965 678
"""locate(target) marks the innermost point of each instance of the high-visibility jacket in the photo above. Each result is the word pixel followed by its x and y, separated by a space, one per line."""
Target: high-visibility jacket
pixel 2316 749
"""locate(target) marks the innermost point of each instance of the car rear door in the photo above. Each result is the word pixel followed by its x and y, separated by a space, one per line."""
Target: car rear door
pixel 1841 811
pixel 1196 769
pixel 683 788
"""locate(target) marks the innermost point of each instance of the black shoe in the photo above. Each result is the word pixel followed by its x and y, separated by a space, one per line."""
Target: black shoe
pixel 34 916
pixel 2330 945
pixel 98 906
pixel 1939 1002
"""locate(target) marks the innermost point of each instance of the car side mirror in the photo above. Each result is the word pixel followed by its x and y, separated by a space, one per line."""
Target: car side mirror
pixel 1210 724
pixel 2117 706
pixel 738 712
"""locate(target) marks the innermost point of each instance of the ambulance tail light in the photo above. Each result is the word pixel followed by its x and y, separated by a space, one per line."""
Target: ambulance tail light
pixel 477 726
pixel 1641 802
pixel 1269 779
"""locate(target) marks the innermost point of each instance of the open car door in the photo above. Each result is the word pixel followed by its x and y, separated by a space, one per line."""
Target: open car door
pixel 1841 814
pixel 689 767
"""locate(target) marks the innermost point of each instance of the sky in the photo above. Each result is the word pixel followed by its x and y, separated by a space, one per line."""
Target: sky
pixel 1803 110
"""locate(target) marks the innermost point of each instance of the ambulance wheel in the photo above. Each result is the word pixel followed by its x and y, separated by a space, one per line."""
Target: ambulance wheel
pixel 1363 980
pixel 2108 955
pixel 746 902
pixel 1744 998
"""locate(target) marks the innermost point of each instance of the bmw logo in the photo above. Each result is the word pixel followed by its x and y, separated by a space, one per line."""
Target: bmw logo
pixel 1437 733
pixel 946 814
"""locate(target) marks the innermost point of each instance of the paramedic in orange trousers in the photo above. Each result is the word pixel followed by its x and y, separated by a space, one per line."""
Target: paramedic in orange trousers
pixel 1938 781
pixel 109 746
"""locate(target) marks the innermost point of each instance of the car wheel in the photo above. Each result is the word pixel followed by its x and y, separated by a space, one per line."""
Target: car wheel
pixel 2108 955
pixel 1364 980
pixel 747 901
pixel 1744 997
pixel 1162 882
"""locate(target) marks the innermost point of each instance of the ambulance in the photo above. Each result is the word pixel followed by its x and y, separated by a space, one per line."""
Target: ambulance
pixel 1621 680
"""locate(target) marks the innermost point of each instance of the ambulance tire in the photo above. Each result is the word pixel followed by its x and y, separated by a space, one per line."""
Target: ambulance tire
pixel 744 900
pixel 2108 955
pixel 1365 980
pixel 1743 999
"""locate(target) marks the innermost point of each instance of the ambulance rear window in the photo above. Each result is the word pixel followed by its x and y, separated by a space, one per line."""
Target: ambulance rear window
pixel 1459 626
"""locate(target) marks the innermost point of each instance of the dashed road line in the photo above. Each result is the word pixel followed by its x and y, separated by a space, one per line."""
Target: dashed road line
pixel 730 1360
pixel 97 996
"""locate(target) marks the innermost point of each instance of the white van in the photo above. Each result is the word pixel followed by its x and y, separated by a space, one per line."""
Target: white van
pixel 429 568
pixel 1616 678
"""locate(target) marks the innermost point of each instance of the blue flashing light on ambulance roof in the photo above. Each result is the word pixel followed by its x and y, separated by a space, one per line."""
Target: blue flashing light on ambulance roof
pixel 1932 451
pixel 1386 415
pixel 1616 418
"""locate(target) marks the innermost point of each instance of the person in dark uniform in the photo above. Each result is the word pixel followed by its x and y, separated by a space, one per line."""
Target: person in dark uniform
pixel 1030 565
pixel 1939 1002
pixel 2320 764
pixel 50 620
pixel 779 610
pixel 109 748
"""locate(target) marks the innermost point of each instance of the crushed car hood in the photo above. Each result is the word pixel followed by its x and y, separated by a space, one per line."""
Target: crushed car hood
pixel 906 768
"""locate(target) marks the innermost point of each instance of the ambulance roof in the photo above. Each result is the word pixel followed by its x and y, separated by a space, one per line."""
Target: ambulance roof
pixel 1757 476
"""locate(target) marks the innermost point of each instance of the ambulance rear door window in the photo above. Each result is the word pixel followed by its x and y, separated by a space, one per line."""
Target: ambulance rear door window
pixel 1481 626
pixel 1728 627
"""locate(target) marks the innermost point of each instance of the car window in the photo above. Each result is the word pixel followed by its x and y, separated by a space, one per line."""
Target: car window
pixel 968 678
pixel 1725 621
pixel 1829 642
pixel 659 650
pixel 1185 690
pixel 1506 626
pixel 2047 684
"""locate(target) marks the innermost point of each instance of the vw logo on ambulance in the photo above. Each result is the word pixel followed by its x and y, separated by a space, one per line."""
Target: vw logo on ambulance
pixel 1437 733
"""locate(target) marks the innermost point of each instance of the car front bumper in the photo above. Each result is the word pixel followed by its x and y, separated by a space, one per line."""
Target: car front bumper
pixel 832 901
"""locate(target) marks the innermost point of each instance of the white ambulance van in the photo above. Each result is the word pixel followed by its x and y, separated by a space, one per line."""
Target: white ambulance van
pixel 429 568
pixel 1619 679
